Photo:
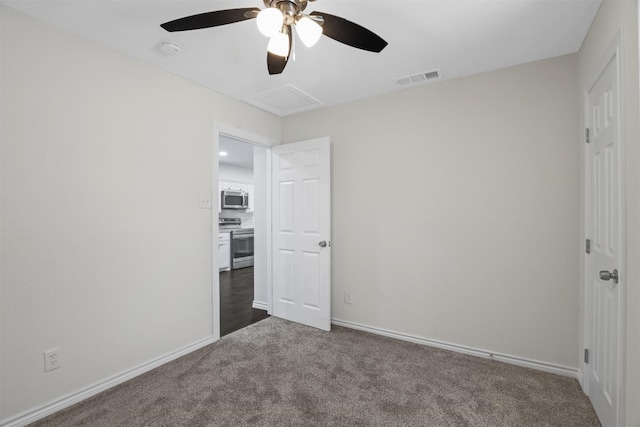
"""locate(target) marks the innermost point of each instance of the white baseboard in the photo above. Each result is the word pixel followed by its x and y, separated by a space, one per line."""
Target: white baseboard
pixel 39 412
pixel 260 305
pixel 580 378
pixel 513 360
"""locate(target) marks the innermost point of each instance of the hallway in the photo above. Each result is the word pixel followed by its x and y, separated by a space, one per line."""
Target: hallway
pixel 236 299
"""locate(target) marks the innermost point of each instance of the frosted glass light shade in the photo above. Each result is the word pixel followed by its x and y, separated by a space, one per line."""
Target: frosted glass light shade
pixel 279 44
pixel 270 21
pixel 309 31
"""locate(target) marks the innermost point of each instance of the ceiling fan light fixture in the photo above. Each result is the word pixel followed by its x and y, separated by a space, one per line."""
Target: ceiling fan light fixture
pixel 278 21
pixel 270 21
pixel 279 44
pixel 308 30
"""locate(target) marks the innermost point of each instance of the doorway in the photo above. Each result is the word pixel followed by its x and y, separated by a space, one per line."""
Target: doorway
pixel 239 307
pixel 239 226
pixel 303 202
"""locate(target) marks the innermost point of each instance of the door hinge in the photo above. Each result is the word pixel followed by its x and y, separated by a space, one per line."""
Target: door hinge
pixel 586 355
pixel 587 246
pixel 587 139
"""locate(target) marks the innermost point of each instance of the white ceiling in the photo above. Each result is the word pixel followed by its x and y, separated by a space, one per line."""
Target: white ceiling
pixel 457 37
pixel 239 153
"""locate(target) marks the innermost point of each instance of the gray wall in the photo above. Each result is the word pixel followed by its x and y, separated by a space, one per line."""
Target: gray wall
pixel 104 250
pixel 455 209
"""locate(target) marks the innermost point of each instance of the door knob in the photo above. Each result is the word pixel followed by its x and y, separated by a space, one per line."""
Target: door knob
pixel 609 275
pixel 323 244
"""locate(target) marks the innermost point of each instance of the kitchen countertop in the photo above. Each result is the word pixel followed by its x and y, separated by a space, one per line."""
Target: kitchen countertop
pixel 227 229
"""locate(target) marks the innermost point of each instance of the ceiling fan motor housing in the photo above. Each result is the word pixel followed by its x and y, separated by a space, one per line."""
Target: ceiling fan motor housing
pixel 289 8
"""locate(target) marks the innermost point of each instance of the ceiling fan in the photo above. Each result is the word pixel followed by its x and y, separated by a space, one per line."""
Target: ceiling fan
pixel 278 21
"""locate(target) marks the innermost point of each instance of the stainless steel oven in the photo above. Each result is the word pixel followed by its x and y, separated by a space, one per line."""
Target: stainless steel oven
pixel 241 248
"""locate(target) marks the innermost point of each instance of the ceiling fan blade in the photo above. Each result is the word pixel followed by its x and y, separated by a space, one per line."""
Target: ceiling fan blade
pixel 350 33
pixel 276 63
pixel 210 19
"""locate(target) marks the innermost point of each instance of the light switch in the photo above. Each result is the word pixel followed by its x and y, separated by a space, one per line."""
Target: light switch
pixel 204 201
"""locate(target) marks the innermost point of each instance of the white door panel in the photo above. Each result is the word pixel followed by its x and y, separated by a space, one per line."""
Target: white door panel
pixel 604 209
pixel 301 221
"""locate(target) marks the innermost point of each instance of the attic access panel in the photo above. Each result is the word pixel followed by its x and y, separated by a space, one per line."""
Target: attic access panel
pixel 284 101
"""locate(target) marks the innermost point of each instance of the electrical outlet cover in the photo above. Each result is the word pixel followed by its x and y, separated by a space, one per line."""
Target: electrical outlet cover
pixel 347 297
pixel 52 359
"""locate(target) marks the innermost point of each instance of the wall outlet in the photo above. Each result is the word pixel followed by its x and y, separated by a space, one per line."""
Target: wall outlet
pixel 347 297
pixel 204 201
pixel 52 360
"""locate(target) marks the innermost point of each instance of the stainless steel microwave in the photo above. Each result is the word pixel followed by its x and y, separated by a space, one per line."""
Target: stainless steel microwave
pixel 234 199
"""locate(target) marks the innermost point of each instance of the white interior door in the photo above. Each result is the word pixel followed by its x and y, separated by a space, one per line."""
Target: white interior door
pixel 301 205
pixel 605 270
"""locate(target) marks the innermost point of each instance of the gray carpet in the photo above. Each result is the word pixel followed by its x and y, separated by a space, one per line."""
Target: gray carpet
pixel 280 373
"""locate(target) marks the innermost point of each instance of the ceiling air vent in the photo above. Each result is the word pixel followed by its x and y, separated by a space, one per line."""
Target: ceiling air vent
pixel 419 78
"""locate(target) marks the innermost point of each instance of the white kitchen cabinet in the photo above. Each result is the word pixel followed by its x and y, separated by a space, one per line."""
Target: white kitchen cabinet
pixel 233 186
pixel 224 251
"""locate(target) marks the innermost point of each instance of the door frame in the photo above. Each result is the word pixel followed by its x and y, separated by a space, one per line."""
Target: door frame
pixel 219 129
pixel 613 52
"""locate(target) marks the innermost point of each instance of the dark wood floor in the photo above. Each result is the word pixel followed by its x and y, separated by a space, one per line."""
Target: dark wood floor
pixel 236 300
